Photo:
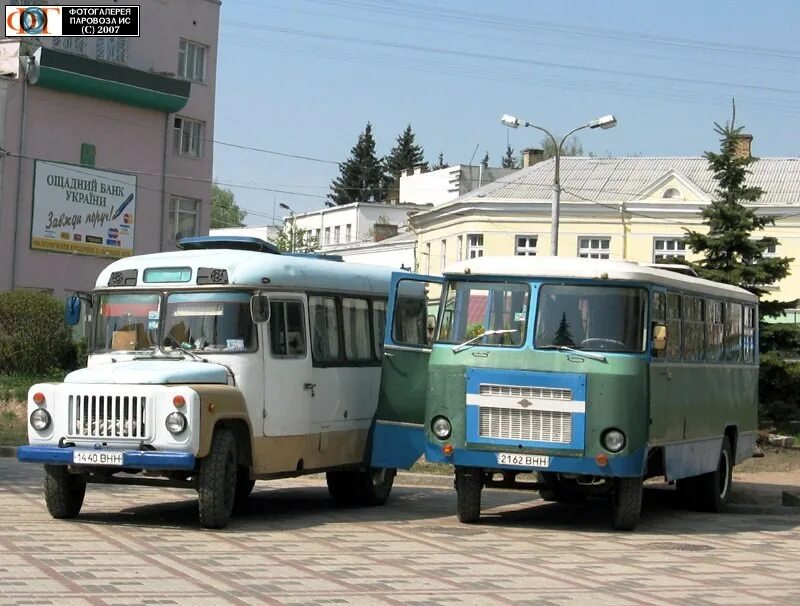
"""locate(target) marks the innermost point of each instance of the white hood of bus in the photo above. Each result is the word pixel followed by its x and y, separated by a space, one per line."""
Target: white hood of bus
pixel 151 372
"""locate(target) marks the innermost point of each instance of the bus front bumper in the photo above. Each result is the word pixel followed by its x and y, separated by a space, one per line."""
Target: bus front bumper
pixel 136 459
pixel 631 465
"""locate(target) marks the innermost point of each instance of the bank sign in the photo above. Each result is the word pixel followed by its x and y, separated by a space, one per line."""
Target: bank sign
pixel 82 210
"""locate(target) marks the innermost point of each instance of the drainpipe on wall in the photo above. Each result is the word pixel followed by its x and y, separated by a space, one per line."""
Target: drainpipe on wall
pixel 624 232
pixel 21 148
pixel 164 201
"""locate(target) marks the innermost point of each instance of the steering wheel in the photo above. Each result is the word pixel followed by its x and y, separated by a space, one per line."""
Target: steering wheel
pixel 603 344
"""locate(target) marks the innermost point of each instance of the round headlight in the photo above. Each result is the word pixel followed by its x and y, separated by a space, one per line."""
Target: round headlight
pixel 614 440
pixel 40 419
pixel 175 422
pixel 441 428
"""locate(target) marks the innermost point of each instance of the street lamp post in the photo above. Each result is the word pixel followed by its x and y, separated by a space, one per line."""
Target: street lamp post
pixel 292 228
pixel 604 122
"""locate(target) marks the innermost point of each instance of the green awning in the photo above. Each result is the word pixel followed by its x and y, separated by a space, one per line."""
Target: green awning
pixel 83 76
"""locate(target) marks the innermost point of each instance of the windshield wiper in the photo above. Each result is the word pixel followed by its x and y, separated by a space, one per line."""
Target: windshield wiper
pixel 485 333
pixel 585 354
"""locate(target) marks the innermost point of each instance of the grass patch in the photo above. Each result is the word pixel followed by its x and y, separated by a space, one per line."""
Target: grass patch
pixel 15 387
pixel 439 469
pixel 13 408
pixel 13 430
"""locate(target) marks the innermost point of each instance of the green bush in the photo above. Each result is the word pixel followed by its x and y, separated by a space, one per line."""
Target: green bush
pixel 33 336
pixel 779 391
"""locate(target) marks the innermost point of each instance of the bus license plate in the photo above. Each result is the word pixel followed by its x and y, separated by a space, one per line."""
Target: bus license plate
pixel 522 460
pixel 96 457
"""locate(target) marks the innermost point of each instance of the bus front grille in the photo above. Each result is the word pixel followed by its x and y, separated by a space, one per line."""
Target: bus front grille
pixel 518 391
pixel 104 416
pixel 525 425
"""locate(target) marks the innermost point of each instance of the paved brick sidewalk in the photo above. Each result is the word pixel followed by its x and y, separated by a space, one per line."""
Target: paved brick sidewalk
pixel 143 546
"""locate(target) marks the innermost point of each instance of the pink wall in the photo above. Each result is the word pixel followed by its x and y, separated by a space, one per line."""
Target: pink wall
pixel 127 139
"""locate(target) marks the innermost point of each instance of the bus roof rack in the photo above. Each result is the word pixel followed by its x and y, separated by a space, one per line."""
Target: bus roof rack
pixel 314 255
pixel 228 243
pixel 676 267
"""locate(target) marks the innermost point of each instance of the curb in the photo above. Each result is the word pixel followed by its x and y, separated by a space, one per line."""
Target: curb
pixel 8 451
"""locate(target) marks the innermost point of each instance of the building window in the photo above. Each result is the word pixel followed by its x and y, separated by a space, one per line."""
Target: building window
pixel 316 236
pixel 474 246
pixel 428 258
pixel 672 193
pixel 771 251
pixel 182 217
pixel 526 246
pixel 666 250
pixel 348 232
pixel 459 248
pixel 70 44
pixel 287 333
pixel 327 235
pixel 337 232
pixel 188 137
pixel 112 49
pixel 192 61
pixel 594 248
pixel 443 255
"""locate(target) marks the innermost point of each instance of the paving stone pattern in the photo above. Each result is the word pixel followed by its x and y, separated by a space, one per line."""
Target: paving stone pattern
pixel 135 545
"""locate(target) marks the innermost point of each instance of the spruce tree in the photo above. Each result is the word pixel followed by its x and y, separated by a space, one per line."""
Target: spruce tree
pixel 404 155
pixel 563 336
pixel 509 160
pixel 730 254
pixel 361 176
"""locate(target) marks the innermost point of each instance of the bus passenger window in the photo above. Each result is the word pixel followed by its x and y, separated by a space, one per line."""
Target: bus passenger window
pixel 659 317
pixel 693 329
pixel 733 332
pixel 415 302
pixel 324 329
pixel 748 336
pixel 715 330
pixel 286 329
pixel 379 326
pixel 673 326
pixel 355 315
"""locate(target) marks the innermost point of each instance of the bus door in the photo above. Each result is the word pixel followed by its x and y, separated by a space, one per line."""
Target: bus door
pixel 287 367
pixel 666 410
pixel 398 438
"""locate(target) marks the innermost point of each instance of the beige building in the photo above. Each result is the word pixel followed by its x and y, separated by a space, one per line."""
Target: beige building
pixel 618 208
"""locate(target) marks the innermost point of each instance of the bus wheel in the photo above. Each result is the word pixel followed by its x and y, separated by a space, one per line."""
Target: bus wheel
pixel 216 480
pixel 375 485
pixel 469 482
pixel 63 491
pixel 626 503
pixel 710 491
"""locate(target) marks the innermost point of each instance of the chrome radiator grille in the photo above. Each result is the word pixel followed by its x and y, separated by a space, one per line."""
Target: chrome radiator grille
pixel 514 391
pixel 93 416
pixel 528 425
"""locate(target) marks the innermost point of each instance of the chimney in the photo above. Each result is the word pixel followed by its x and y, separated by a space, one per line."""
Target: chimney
pixel 381 231
pixel 531 156
pixel 743 146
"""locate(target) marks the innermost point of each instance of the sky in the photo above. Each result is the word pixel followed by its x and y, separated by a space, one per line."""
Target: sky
pixel 303 77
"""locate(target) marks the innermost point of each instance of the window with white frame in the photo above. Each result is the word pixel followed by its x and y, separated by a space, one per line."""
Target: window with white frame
pixel 474 246
pixel 526 246
pixel 459 248
pixel 188 137
pixel 113 49
pixel 337 232
pixel 316 235
pixel 327 235
pixel 442 255
pixel 348 232
pixel 594 248
pixel 70 44
pixel 668 249
pixel 192 61
pixel 182 217
pixel 428 258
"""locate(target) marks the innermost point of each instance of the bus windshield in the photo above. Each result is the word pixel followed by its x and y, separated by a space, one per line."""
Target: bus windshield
pixel 591 318
pixel 125 322
pixel 209 321
pixel 474 308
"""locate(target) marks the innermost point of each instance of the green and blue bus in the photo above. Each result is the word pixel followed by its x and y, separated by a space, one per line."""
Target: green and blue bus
pixel 593 375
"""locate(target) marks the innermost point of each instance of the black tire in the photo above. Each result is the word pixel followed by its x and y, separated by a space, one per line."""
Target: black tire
pixel 626 503
pixel 216 480
pixel 469 483
pixel 63 491
pixel 710 491
pixel 366 488
pixel 244 486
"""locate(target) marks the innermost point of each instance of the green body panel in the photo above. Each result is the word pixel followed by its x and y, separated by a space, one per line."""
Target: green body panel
pixel 616 392
pixel 691 401
pixel 404 383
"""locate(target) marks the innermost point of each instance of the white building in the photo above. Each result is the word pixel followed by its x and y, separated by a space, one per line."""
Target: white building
pixel 421 186
pixel 395 251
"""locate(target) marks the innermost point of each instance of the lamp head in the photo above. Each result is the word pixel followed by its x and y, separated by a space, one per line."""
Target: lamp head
pixel 510 121
pixel 286 206
pixel 604 122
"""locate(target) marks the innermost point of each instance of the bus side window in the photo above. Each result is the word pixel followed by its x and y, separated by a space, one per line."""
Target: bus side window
pixel 749 334
pixel 355 315
pixel 673 326
pixel 733 332
pixel 715 330
pixel 324 329
pixel 659 317
pixel 286 329
pixel 693 329
pixel 378 326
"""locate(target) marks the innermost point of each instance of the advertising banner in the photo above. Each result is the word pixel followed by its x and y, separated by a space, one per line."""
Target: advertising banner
pixel 77 209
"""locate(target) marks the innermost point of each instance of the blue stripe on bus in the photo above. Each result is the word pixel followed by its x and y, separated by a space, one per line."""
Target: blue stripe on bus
pixel 396 445
pixel 631 465
pixel 140 459
pixel 473 431
pixel 526 378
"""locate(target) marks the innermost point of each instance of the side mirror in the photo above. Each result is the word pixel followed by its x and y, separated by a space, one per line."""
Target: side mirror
pixel 659 337
pixel 72 310
pixel 259 308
